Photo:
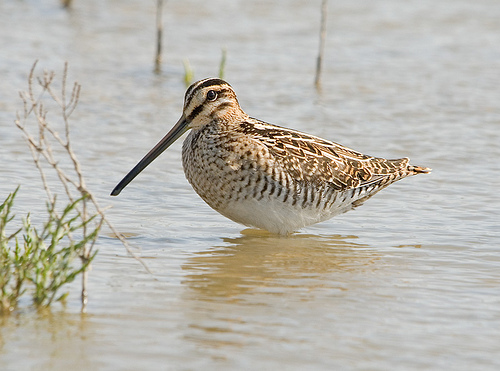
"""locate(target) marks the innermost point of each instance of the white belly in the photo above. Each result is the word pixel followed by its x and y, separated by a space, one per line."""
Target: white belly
pixel 278 217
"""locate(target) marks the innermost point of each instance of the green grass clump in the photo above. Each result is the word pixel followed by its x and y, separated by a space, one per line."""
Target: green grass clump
pixel 13 261
pixel 43 259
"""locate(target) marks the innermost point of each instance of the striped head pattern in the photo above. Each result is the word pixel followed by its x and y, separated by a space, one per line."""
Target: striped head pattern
pixel 210 100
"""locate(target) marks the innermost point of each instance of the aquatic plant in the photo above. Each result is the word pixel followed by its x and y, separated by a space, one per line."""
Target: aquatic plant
pixel 189 73
pixel 13 263
pixel 159 35
pixel 222 65
pixel 46 256
pixel 322 36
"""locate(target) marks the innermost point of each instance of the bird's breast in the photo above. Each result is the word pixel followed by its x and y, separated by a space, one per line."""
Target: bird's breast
pixel 222 168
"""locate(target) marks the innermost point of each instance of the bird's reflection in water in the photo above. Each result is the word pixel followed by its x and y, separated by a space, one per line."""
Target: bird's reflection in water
pixel 258 263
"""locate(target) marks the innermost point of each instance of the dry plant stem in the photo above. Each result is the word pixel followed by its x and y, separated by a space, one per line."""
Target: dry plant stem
pixel 322 36
pixel 159 33
pixel 41 148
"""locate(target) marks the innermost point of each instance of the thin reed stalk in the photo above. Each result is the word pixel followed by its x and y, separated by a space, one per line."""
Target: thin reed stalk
pixel 322 37
pixel 159 35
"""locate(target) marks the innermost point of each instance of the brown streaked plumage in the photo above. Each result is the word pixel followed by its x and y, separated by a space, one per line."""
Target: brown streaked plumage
pixel 267 176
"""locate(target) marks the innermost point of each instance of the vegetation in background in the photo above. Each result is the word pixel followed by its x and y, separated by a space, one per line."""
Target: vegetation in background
pixel 322 36
pixel 222 66
pixel 189 73
pixel 159 35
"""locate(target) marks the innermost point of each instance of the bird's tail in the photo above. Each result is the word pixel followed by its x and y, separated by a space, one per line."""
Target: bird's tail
pixel 419 170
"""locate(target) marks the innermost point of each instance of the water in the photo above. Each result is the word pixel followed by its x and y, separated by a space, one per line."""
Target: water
pixel 409 281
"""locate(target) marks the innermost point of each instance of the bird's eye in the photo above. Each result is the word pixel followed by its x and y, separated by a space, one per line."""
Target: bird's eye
pixel 211 95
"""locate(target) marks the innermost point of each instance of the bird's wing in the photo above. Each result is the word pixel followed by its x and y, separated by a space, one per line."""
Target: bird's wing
pixel 312 159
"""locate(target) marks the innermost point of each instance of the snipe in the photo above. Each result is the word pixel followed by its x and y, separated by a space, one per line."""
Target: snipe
pixel 263 175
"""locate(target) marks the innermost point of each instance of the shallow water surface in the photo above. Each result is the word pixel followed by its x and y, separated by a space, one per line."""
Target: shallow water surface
pixel 408 281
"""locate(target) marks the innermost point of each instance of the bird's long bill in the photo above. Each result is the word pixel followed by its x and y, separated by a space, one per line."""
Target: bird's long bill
pixel 179 128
